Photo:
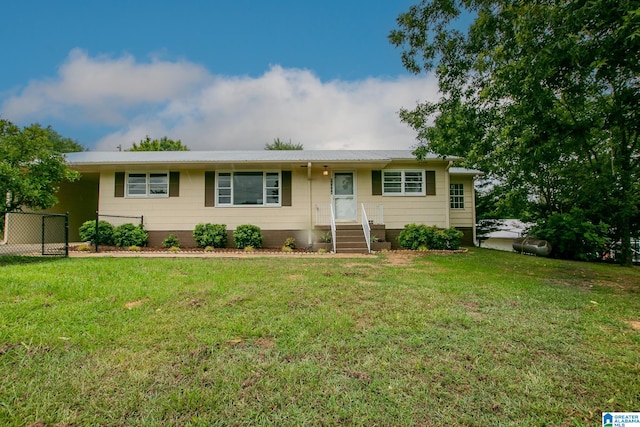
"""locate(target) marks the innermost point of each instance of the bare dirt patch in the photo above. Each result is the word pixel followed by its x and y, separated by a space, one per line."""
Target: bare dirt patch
pixel 635 324
pixel 398 259
pixel 133 304
pixel 266 343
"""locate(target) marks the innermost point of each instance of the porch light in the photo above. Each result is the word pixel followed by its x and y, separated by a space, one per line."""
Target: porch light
pixel 325 172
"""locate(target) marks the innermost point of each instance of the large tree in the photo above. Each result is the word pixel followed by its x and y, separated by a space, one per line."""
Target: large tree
pixel 162 144
pixel 542 95
pixel 277 144
pixel 31 166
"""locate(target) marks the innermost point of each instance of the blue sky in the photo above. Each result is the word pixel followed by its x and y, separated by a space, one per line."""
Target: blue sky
pixel 215 74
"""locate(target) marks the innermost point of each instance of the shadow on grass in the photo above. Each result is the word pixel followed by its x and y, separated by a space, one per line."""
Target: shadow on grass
pixel 18 259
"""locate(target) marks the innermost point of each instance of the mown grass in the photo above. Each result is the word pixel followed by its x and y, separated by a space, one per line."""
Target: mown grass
pixel 483 338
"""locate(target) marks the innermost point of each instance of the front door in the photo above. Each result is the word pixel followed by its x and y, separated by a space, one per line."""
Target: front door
pixel 344 196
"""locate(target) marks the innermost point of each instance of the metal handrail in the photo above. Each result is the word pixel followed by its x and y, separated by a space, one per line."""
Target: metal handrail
pixel 333 228
pixel 366 228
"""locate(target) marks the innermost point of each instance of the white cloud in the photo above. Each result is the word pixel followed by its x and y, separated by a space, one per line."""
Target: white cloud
pixel 184 101
pixel 103 90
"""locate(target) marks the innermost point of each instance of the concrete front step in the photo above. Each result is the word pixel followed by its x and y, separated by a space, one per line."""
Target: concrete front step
pixel 350 239
pixel 351 251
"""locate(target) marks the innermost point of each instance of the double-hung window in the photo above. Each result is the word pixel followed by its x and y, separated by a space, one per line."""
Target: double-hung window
pixel 403 183
pixel 248 189
pixel 151 184
pixel 456 196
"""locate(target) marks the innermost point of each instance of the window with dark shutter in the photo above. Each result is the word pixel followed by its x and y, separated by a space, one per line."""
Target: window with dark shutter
pixel 286 188
pixel 119 185
pixel 431 183
pixel 209 188
pixel 174 184
pixel 376 183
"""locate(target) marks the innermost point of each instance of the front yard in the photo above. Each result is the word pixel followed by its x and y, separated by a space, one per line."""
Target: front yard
pixel 483 338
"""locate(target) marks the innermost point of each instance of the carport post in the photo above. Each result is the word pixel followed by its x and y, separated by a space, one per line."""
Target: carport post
pixel 66 234
pixel 97 233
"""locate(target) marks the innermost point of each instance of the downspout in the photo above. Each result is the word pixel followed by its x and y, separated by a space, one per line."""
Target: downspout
pixel 447 204
pixel 310 233
pixel 473 208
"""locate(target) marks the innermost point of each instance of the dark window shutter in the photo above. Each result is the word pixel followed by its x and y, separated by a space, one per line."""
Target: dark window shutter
pixel 376 183
pixel 174 184
pixel 286 188
pixel 431 183
pixel 119 190
pixel 209 188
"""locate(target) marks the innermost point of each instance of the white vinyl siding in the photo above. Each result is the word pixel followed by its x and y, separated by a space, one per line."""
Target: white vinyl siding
pixel 403 183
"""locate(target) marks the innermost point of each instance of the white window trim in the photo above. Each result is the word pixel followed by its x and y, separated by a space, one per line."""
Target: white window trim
pixel 147 194
pixel 458 197
pixel 403 193
pixel 264 204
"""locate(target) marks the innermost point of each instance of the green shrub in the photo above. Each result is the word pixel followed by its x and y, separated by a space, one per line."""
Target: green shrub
pixel 248 235
pixel 418 237
pixel 130 235
pixel 214 235
pixel 290 242
pixel 572 236
pixel 413 236
pixel 105 232
pixel 171 242
pixel 452 238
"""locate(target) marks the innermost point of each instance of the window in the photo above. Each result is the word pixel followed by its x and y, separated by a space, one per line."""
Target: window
pixel 456 196
pixel 248 188
pixel 403 183
pixel 148 185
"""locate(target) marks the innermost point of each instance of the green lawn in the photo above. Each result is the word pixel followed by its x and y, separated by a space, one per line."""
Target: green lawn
pixel 484 338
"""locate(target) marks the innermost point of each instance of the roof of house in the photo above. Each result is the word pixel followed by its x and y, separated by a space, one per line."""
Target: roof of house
pixel 241 156
pixel 101 158
pixel 465 171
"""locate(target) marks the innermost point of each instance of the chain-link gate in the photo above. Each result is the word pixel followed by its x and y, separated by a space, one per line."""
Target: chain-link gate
pixel 35 234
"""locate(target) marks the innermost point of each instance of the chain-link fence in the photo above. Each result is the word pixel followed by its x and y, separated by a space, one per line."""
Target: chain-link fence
pixel 115 221
pixel 34 234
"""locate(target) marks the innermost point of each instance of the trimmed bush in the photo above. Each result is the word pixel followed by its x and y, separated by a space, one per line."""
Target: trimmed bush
pixel 171 241
pixel 105 232
pixel 213 235
pixel 416 237
pixel 290 242
pixel 126 235
pixel 248 235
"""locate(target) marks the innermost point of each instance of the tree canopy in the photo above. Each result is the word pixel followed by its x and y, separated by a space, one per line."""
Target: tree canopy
pixel 543 96
pixel 32 166
pixel 282 145
pixel 162 144
pixel 62 144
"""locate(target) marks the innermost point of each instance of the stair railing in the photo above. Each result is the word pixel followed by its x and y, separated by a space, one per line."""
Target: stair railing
pixel 333 228
pixel 366 228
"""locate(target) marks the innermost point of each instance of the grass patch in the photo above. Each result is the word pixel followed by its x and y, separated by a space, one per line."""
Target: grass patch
pixel 476 339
